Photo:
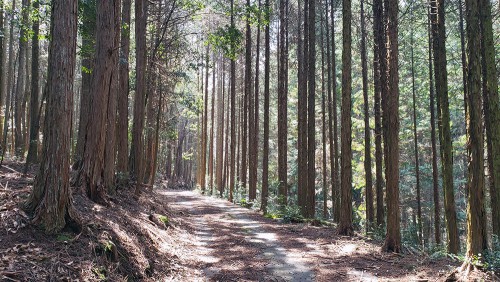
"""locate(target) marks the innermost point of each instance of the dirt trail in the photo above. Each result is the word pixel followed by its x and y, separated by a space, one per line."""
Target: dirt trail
pixel 232 243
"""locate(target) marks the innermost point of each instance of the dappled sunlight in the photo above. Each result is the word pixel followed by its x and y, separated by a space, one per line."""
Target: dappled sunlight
pixel 361 276
pixel 348 249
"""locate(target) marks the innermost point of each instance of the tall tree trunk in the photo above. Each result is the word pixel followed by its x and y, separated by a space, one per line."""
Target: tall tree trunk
pixel 122 99
pixel 239 137
pixel 10 82
pixel 391 130
pixel 152 99
pixel 246 102
pixel 87 55
pixel 441 76
pixel 302 181
pixel 491 109
pixel 464 79
pixel 329 97
pixel 233 112
pixel 93 172
pixel 211 149
pixel 265 151
pixel 346 227
pixel 311 113
pixel 220 132
pixel 476 215
pixel 157 133
pixel 415 138
pixel 51 201
pixel 27 93
pixel 35 92
pixel 3 69
pixel 379 75
pixel 435 177
pixel 333 104
pixel 282 109
pixel 225 177
pixel 19 97
pixel 323 117
pixel 204 133
pixel 136 159
pixel 111 115
pixel 254 123
pixel 368 154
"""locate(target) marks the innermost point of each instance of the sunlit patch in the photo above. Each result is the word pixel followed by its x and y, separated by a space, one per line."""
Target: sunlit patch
pixel 364 276
pixel 348 249
pixel 266 236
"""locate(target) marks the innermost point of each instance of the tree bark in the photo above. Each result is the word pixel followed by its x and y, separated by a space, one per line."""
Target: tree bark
pixel 136 159
pixel 476 215
pixel 415 139
pixel 233 113
pixel 246 102
pixel 203 168
pixel 253 155
pixel 51 201
pixel 311 113
pixel 10 82
pixel 282 109
pixel 441 76
pixel 379 81
pixel 323 118
pixel 3 69
pixel 335 155
pixel 19 97
pixel 87 56
pixel 435 177
pixel 491 109
pixel 346 227
pixel 123 93
pixel 368 154
pixel 35 92
pixel 302 181
pixel 391 129
pixel 93 175
pixel 265 151
pixel 220 132
pixel 329 101
pixel 212 122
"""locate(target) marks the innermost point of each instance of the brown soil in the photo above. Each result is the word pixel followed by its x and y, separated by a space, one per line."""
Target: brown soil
pixel 205 239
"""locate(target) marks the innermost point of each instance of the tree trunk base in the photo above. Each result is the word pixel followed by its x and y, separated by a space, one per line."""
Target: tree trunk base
pixel 390 246
pixel 345 230
pixel 49 221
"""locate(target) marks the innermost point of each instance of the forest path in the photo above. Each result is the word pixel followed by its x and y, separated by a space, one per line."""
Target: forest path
pixel 233 242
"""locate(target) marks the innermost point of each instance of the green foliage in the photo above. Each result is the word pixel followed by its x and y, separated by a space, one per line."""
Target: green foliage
pixel 86 70
pixel 438 252
pixel 477 261
pixel 292 214
pixel 86 25
pixel 108 246
pixel 492 257
pixel 244 203
pixel 100 272
pixel 228 39
pixel 409 235
pixel 191 6
pixel 163 219
pixel 63 238
pixel 377 232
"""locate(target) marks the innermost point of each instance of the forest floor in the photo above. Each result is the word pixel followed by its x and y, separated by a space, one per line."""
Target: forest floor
pixel 180 235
